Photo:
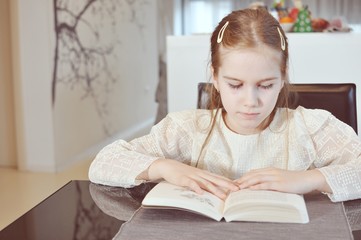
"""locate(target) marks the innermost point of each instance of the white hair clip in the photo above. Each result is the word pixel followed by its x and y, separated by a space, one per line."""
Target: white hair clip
pixel 283 41
pixel 221 32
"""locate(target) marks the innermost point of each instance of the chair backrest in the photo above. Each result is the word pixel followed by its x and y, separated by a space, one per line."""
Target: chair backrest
pixel 339 99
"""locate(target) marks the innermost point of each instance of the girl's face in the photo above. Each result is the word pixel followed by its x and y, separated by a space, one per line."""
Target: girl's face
pixel 249 82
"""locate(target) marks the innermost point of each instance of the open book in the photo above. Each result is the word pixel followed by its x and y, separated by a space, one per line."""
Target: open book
pixel 243 205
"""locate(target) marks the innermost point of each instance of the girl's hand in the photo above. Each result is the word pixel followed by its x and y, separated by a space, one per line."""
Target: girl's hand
pixel 196 179
pixel 300 182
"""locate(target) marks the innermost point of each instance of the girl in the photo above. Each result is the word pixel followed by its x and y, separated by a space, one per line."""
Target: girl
pixel 249 138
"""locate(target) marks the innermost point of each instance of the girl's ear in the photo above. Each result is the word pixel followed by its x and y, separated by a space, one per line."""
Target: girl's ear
pixel 214 79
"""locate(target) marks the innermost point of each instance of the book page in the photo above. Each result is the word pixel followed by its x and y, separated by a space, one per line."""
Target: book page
pixel 168 195
pixel 260 205
pixel 247 195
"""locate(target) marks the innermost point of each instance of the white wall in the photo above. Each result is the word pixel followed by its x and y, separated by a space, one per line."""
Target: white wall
pixel 314 58
pixel 32 64
pixel 52 137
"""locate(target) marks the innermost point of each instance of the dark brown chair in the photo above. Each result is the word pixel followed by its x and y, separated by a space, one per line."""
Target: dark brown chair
pixel 339 99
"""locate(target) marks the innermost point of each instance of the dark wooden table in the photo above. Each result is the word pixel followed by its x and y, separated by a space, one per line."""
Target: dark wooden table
pixel 83 210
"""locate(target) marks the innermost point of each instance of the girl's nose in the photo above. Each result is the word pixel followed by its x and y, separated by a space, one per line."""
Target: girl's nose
pixel 250 97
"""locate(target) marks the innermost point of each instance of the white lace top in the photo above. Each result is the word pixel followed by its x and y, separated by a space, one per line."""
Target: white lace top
pixel 308 139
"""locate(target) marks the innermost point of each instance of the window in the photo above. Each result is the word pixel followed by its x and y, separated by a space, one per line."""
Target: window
pixel 202 16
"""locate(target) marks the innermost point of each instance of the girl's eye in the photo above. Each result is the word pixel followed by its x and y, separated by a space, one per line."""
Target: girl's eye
pixel 235 86
pixel 266 86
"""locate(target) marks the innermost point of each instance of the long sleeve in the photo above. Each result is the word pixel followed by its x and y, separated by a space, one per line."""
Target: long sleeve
pixel 316 139
pixel 119 163
pixel 338 156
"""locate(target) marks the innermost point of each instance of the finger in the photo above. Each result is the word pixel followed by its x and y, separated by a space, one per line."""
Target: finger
pixel 256 179
pixel 258 170
pixel 221 181
pixel 199 185
pixel 193 185
pixel 265 186
pixel 246 177
pixel 210 187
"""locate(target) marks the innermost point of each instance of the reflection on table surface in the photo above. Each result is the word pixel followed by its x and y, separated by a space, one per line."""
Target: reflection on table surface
pixel 79 210
pixel 83 210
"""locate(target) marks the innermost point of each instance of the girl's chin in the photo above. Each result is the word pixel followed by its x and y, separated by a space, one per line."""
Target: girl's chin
pixel 243 126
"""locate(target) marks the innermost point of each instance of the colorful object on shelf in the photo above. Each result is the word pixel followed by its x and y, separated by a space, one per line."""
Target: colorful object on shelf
pixel 286 20
pixel 303 23
pixel 338 24
pixel 293 13
pixel 319 24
